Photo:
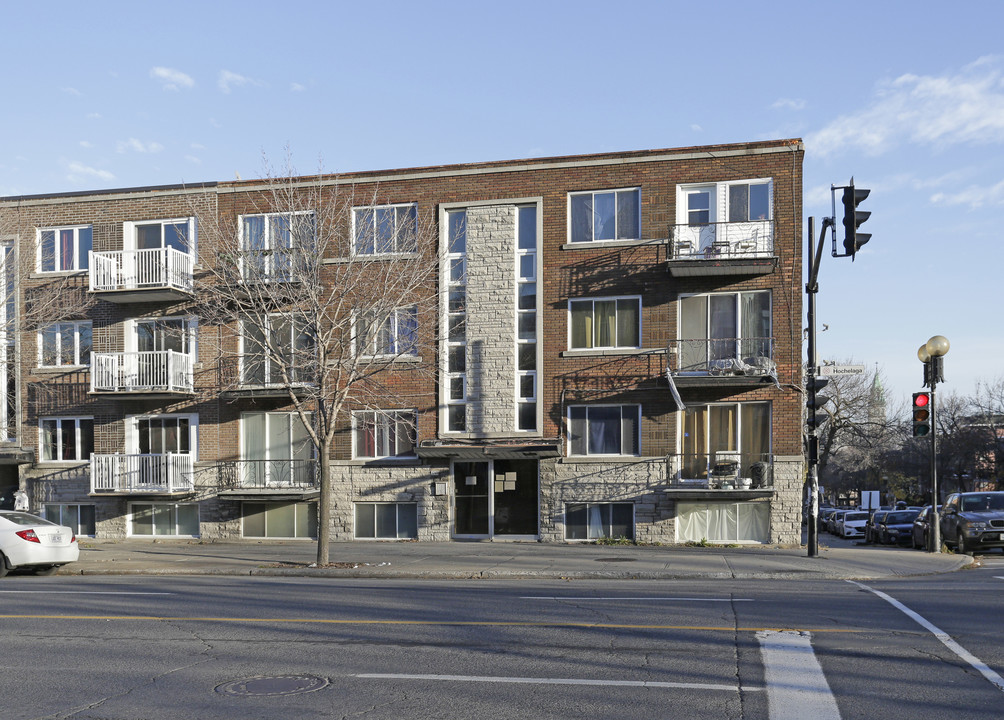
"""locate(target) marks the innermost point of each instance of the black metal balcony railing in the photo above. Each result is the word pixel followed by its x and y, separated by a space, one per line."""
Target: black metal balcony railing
pixel 722 240
pixel 720 471
pixel 752 356
pixel 261 474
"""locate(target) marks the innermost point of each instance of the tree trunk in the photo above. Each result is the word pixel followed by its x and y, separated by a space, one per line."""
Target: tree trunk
pixel 324 505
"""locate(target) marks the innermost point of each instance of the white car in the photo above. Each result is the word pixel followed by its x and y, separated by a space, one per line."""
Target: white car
pixel 852 524
pixel 30 541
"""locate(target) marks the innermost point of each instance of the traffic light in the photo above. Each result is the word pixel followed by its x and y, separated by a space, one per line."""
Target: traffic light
pixel 853 218
pixel 814 401
pixel 921 414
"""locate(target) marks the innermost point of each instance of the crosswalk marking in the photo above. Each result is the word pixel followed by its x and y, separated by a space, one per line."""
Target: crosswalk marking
pixel 796 686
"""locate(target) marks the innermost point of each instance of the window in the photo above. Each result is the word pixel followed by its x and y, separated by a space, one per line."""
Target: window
pixel 725 332
pixel 66 439
pixel 270 244
pixel 386 521
pixel 604 429
pixel 276 451
pixel 164 519
pixel 273 344
pixel 78 517
pixel 162 334
pixel 749 201
pixel 162 434
pixel 177 233
pixel 280 520
pixel 606 215
pixel 605 323
pixel 64 248
pixel 722 522
pixel 391 332
pixel 734 431
pixel 456 321
pixel 593 521
pixel 526 317
pixel 65 343
pixel 384 433
pixel 384 229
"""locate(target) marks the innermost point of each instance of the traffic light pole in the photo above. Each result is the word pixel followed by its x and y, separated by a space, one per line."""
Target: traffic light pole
pixel 811 288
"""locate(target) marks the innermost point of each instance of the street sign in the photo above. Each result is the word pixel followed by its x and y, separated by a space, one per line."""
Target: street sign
pixel 842 370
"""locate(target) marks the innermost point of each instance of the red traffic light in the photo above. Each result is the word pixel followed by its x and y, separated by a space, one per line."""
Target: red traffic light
pixel 921 400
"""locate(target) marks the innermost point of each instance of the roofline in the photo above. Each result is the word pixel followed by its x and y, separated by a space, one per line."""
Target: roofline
pixel 182 188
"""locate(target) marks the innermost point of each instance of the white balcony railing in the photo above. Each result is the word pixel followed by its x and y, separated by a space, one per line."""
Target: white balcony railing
pixel 137 473
pixel 723 241
pixel 151 269
pixel 152 371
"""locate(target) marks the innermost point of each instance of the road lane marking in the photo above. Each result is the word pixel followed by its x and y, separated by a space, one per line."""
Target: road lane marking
pixel 944 637
pixel 80 592
pixel 558 681
pixel 796 685
pixel 634 599
pixel 453 623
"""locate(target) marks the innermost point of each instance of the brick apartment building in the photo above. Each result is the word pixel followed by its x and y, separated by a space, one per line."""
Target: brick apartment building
pixel 616 352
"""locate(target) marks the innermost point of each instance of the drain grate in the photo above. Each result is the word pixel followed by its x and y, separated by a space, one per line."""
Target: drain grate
pixel 279 685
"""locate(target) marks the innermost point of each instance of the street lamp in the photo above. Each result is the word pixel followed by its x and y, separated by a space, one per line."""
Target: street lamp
pixel 932 354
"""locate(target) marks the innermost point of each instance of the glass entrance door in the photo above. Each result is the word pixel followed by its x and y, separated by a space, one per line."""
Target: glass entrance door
pixel 495 499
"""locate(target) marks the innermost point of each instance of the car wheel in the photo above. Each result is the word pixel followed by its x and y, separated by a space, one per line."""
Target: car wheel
pixel 46 569
pixel 960 544
pixel 3 565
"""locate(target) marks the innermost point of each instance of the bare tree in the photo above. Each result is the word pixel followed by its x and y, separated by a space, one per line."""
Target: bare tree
pixel 325 296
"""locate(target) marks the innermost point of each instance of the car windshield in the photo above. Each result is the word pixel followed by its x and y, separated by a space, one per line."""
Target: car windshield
pixel 23 518
pixel 900 518
pixel 855 516
pixel 983 503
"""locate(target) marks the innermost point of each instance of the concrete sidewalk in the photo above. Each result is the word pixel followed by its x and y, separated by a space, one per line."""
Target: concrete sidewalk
pixel 501 560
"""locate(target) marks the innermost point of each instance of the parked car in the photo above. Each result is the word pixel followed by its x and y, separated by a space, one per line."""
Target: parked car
pixel 852 524
pixel 922 527
pixel 832 520
pixel 871 527
pixel 896 527
pixel 30 541
pixel 973 521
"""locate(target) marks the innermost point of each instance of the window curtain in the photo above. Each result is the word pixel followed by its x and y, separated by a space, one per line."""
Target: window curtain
pixel 724 424
pixel 756 328
pixel 582 323
pixel 65 249
pixel 695 458
pixel 595 519
pixel 723 327
pixel 628 323
pixel 693 353
pixel 253 438
pixel 755 440
pixel 627 215
pixel 604 430
pixel 606 322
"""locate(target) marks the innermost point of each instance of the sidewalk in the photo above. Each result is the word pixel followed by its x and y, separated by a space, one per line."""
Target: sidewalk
pixel 501 560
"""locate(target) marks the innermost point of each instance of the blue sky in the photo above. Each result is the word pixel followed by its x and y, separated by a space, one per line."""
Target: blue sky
pixel 907 97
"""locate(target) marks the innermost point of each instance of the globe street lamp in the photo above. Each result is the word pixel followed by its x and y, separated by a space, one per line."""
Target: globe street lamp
pixel 932 354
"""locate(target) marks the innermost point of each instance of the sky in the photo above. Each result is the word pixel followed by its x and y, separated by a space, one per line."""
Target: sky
pixel 905 97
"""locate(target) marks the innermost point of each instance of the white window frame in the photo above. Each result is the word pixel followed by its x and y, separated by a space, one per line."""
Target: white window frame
pixel 175 506
pixel 615 299
pixel 399 236
pixel 132 431
pixel 387 432
pixel 80 262
pixel 80 359
pixel 268 251
pixel 78 438
pixel 269 414
pixel 624 408
pixel 246 353
pixel 606 528
pixel 719 193
pixel 190 328
pixel 398 507
pixel 392 324
pixel 617 231
pixel 130 234
pixel 64 509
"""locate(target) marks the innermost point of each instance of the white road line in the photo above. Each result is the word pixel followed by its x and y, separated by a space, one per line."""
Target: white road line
pixel 557 681
pixel 796 685
pixel 944 637
pixel 79 592
pixel 635 599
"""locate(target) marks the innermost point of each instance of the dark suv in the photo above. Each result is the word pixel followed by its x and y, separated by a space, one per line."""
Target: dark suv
pixel 973 521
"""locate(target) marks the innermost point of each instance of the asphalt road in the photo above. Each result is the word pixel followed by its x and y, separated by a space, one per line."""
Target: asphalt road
pixel 147 648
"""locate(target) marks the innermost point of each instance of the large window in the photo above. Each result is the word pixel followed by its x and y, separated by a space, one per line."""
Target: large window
pixel 276 450
pixel 749 201
pixel 594 521
pixel 65 343
pixel 527 273
pixel 176 233
pixel 160 334
pixel 280 520
pixel 66 439
pixel 723 522
pixel 386 521
pixel 725 432
pixel 277 344
pixel 272 245
pixel 456 319
pixel 385 229
pixel 605 215
pixel 65 248
pixel 78 517
pixel 605 323
pixel 604 429
pixel 725 332
pixel 387 333
pixel 164 519
pixel 384 433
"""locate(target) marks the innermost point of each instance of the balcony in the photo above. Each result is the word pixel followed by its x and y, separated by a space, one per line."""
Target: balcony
pixel 157 373
pixel 725 472
pixel 268 479
pixel 724 248
pixel 721 361
pixel 153 275
pixel 138 474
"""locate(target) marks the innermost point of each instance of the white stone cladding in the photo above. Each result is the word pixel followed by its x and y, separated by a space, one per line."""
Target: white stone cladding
pixel 491 320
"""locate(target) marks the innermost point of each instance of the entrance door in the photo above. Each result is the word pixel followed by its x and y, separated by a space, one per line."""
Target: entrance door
pixel 495 499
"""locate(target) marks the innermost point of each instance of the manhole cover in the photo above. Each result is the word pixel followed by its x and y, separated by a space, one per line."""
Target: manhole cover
pixel 280 685
pixel 615 559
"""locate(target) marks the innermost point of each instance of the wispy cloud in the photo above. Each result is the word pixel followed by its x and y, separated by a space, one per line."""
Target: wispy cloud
pixel 297 87
pixel 228 80
pixel 86 144
pixel 79 172
pixel 192 159
pixel 966 107
pixel 696 128
pixel 973 197
pixel 134 145
pixel 788 104
pixel 71 91
pixel 171 79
